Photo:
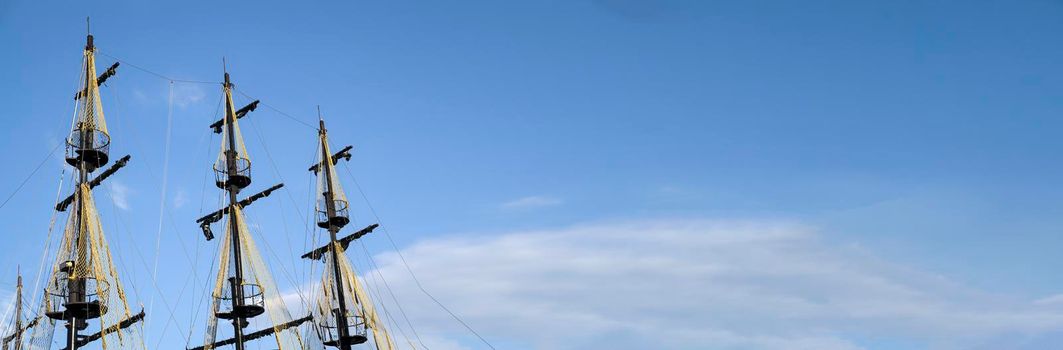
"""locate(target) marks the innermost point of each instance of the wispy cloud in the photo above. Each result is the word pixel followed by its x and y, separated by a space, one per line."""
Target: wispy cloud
pixel 185 95
pixel 120 194
pixel 180 198
pixel 695 284
pixel 140 95
pixel 532 202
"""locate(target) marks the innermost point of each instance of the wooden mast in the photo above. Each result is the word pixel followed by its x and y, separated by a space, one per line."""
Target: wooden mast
pixel 233 188
pixel 343 332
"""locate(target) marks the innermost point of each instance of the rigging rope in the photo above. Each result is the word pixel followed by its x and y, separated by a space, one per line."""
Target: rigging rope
pixel 214 257
pixel 289 116
pixel 27 179
pixel 119 110
pixel 312 229
pixel 154 283
pixel 407 265
pixel 276 170
pixel 373 290
pixel 99 52
pixel 162 196
pixel 48 238
pixel 58 194
pixel 373 266
pixel 169 215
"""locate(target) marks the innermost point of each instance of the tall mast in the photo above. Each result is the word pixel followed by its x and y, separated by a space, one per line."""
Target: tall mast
pixel 251 292
pixel 18 313
pixel 89 158
pixel 233 187
pixel 347 314
pixel 84 284
pixel 330 209
pixel 17 326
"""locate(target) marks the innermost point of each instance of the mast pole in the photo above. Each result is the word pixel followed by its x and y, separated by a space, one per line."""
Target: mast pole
pixel 236 282
pixel 18 313
pixel 330 207
pixel 76 292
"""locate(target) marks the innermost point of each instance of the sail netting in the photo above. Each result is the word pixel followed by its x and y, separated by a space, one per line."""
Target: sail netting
pixel 362 318
pixel 18 335
pixel 328 181
pixel 84 288
pixel 257 288
pixel 89 140
pixel 238 172
pixel 39 336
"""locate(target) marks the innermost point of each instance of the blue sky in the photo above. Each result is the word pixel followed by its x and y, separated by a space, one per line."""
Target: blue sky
pixel 909 142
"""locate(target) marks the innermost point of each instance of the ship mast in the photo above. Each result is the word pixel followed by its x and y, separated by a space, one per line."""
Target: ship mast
pixel 77 290
pixel 88 158
pixel 343 339
pixel 233 187
pixel 18 327
pixel 84 284
pixel 16 335
pixel 345 312
pixel 250 291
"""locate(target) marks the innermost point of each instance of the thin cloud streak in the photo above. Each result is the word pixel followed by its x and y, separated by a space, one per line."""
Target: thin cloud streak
pixel 532 202
pixel 688 284
pixel 120 194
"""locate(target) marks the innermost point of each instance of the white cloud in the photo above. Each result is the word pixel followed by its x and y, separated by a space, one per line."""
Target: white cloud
pixel 185 95
pixel 140 95
pixel 120 194
pixel 180 199
pixel 693 284
pixel 532 202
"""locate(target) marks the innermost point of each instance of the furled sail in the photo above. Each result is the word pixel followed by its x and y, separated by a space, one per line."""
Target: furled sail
pixel 259 290
pixel 363 314
pixel 244 288
pixel 343 312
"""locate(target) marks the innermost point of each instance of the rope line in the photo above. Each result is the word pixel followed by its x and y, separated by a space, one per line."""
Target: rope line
pixel 289 116
pixel 169 215
pixel 27 179
pixel 172 80
pixel 407 265
pixel 375 268
pixel 162 197
pixel 157 74
pixel 48 238
pixel 154 283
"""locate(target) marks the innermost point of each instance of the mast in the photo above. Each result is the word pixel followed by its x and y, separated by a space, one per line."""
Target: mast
pixel 84 284
pixel 345 316
pixel 233 187
pixel 18 313
pixel 83 175
pixel 330 210
pixel 250 292
pixel 76 287
pixel 18 327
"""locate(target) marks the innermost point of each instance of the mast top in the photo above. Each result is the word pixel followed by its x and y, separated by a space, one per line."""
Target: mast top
pixel 320 121
pixel 225 68
pixel 88 30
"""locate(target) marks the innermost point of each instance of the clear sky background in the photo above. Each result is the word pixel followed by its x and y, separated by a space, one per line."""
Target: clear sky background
pixel 597 174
